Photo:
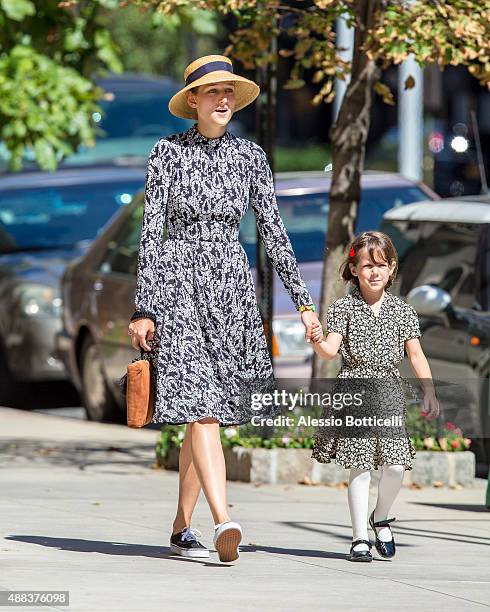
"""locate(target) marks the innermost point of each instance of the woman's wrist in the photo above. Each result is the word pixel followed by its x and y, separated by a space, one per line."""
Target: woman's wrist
pixel 307 307
pixel 143 314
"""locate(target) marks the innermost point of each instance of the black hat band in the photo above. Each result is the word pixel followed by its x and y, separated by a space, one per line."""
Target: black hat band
pixel 206 69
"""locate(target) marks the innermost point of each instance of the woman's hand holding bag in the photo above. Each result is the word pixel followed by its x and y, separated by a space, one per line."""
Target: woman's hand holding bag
pixel 138 384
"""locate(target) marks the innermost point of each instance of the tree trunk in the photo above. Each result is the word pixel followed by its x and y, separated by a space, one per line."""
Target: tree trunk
pixel 348 136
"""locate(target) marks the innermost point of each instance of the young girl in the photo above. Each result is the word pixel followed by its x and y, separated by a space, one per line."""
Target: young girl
pixel 372 327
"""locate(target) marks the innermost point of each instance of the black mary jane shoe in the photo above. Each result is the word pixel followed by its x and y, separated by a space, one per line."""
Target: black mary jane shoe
pixel 385 549
pixel 360 555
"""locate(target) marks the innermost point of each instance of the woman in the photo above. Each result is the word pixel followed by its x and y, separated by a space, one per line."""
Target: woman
pixel 195 296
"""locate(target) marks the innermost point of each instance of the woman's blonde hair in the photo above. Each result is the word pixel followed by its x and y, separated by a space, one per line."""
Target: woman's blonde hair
pixel 375 242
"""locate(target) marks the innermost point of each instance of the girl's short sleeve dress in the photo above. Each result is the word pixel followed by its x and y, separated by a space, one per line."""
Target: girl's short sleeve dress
pixel 372 346
pixel 209 342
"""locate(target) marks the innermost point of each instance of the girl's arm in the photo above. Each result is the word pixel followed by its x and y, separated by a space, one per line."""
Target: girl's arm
pixel 421 369
pixel 329 347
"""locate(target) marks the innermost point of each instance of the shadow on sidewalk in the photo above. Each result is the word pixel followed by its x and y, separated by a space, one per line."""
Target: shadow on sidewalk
pixel 462 507
pixel 35 395
pixel 158 552
pixel 76 454
pixel 400 527
pixel 295 552
pixel 107 548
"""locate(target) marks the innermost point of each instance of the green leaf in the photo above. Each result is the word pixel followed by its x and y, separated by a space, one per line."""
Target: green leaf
pixel 18 9
pixel 109 4
pixel 107 51
pixel 294 84
pixel 45 154
pixel 384 91
pixel 204 23
pixel 75 40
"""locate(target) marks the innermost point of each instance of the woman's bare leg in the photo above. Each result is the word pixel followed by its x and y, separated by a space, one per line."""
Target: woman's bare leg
pixel 189 485
pixel 209 463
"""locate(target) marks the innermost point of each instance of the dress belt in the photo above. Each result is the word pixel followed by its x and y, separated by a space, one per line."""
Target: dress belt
pixel 205 230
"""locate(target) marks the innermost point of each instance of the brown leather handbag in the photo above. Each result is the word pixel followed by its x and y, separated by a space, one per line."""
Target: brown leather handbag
pixel 139 387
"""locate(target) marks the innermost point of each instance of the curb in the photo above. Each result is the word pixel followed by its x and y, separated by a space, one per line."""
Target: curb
pixel 293 465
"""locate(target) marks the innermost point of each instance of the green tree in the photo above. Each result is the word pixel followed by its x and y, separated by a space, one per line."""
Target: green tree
pixel 153 43
pixel 52 50
pixel 452 32
pixel 49 52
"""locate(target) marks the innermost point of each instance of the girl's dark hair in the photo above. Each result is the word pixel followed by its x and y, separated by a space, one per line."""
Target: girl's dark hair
pixel 374 242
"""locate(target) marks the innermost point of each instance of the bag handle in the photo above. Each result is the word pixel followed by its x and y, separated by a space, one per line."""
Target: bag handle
pixel 147 354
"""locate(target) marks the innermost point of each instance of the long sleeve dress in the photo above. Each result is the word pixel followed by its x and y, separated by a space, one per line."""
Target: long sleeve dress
pixel 210 348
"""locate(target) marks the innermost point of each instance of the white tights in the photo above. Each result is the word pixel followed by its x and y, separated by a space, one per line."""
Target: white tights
pixel 389 486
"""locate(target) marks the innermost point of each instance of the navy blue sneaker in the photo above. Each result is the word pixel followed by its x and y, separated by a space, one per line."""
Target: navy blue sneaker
pixel 186 544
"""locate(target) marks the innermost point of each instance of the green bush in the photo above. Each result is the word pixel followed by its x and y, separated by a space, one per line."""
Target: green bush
pixel 172 436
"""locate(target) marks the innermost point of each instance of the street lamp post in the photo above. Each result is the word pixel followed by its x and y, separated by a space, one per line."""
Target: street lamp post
pixel 410 120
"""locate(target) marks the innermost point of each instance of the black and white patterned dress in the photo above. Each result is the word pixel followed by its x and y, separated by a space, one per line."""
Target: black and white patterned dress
pixel 198 283
pixel 372 346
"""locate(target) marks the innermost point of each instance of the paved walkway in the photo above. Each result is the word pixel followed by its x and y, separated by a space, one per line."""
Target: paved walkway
pixel 82 510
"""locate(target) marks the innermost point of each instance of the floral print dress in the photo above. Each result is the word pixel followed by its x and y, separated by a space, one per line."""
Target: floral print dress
pixel 209 339
pixel 372 346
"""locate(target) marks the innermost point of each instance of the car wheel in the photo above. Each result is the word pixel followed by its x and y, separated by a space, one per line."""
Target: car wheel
pixel 486 442
pixel 96 397
pixel 10 389
pixel 481 445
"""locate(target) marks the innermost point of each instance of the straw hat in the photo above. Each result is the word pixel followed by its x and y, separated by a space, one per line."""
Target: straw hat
pixel 211 69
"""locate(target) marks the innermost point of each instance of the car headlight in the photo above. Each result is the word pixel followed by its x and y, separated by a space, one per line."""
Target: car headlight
pixel 290 336
pixel 38 300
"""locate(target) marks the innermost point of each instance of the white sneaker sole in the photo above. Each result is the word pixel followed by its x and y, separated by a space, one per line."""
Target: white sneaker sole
pixel 185 552
pixel 226 544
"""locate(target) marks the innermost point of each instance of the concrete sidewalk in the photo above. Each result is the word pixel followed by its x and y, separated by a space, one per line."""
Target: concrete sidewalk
pixel 82 510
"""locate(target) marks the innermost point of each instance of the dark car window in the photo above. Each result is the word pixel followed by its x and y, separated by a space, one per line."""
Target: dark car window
pixel 305 219
pixel 121 256
pixel 51 217
pixel 137 114
pixel 482 271
pixel 440 254
pixel 375 202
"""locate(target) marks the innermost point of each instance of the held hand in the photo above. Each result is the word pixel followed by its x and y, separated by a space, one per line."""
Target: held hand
pixel 141 331
pixel 431 406
pixel 317 334
pixel 311 323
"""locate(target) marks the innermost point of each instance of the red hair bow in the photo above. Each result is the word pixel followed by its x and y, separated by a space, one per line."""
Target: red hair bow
pixel 352 252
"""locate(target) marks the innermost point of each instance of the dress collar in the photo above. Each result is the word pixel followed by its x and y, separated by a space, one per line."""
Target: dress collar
pixel 195 137
pixel 356 293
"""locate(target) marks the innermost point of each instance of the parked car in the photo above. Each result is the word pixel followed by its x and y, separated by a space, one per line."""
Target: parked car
pixel 98 289
pixel 444 273
pixel 46 220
